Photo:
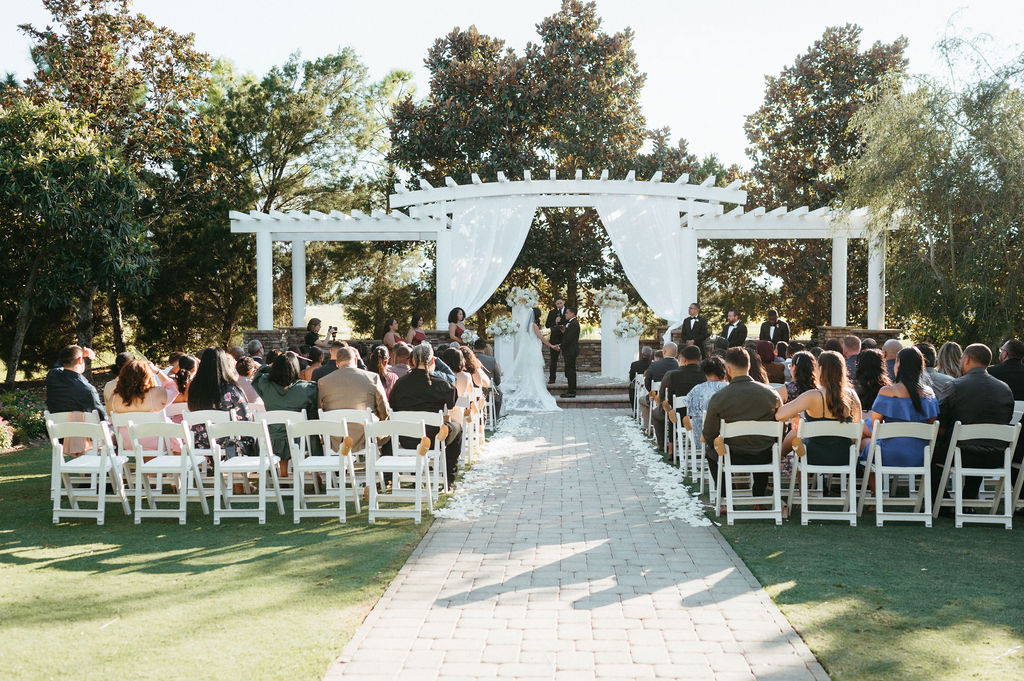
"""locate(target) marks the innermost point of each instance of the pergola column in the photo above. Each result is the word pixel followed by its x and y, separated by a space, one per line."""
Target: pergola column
pixel 688 272
pixel 298 282
pixel 876 282
pixel 443 275
pixel 839 283
pixel 264 280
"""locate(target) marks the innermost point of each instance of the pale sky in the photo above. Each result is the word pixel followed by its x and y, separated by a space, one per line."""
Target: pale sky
pixel 705 61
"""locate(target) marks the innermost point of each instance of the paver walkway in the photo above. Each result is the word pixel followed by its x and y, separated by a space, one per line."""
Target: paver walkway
pixel 574 577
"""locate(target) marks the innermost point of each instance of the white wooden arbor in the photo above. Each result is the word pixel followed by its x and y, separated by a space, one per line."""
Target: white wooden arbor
pixel 431 210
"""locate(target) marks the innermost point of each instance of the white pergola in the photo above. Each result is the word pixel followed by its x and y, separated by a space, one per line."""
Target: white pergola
pixel 432 210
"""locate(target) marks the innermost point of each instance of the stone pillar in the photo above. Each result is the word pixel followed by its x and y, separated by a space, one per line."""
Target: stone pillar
pixel 264 280
pixel 298 282
pixel 839 278
pixel 876 282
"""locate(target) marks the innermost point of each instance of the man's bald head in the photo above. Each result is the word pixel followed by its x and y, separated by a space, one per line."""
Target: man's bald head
pixel 670 349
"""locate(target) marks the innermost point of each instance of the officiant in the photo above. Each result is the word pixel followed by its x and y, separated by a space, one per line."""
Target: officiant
pixel 556 323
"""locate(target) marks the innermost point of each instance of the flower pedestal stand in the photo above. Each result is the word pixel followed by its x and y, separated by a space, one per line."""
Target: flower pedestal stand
pixel 504 350
pixel 611 345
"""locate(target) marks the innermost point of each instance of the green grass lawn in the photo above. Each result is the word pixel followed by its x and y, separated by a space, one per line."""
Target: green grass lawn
pixel 163 601
pixel 897 603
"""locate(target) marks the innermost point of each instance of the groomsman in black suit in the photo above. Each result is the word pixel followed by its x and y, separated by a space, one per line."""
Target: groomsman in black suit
pixel 570 349
pixel 555 322
pixel 775 329
pixel 694 330
pixel 734 332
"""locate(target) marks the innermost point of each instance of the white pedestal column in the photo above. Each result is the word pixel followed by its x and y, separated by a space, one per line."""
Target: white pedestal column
pixel 443 267
pixel 264 281
pixel 298 282
pixel 876 282
pixel 504 349
pixel 839 260
pixel 610 316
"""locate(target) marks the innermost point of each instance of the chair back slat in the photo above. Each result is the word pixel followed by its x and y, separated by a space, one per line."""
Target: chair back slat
pixel 280 416
pixel 986 431
pixel 348 415
pixel 772 429
pixel 394 429
pixel 301 429
pixel 72 416
pixel 428 418
pixel 811 429
pixel 919 431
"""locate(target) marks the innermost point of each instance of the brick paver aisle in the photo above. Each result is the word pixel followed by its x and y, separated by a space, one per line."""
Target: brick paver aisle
pixel 574 577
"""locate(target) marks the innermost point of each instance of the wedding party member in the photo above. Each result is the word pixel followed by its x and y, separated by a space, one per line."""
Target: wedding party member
pixel 281 389
pixel 456 324
pixel 742 400
pixel 734 333
pixel 312 336
pixel 677 383
pixel 215 386
pixel 66 387
pixel 694 330
pixel 352 388
pixel 415 336
pixel 556 322
pixel 639 367
pixel 391 335
pixel 774 329
pixel 419 390
pixel 570 349
pixel 524 380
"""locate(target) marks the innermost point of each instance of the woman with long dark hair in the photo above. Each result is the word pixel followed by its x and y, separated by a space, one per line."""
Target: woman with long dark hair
pixel 379 363
pixel 907 400
pixel 391 335
pixel 415 336
pixel 804 367
pixel 215 387
pixel 871 376
pixel 456 325
pixel 832 400
pixel 774 371
pixel 281 389
pixel 757 372
pixel 187 367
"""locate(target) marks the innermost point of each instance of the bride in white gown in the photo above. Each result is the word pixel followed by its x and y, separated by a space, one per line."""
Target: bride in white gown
pixel 523 384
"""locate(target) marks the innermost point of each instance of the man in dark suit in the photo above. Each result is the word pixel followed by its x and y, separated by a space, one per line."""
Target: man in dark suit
pixel 638 368
pixel 570 349
pixel 676 383
pixel 975 397
pixel 556 322
pixel 734 332
pixel 742 400
pixel 66 387
pixel 774 329
pixel 1010 371
pixel 659 367
pixel 694 330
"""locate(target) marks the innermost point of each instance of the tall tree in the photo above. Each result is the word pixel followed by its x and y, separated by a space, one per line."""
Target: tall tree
pixel 799 138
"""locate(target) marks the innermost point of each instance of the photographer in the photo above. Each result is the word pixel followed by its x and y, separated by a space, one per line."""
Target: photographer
pixel 312 338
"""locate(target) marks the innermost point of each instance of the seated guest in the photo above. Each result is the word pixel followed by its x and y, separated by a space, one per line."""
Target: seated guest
pixel 775 372
pixel 1010 370
pixel 141 387
pixel 851 348
pixel 236 352
pixel 871 376
pixel 804 368
pixel 697 399
pixel 456 325
pixel 734 333
pixel 975 397
pixel 948 360
pixel 833 399
pixel 187 368
pixel 720 344
pixel 756 371
pixel 312 337
pixel 781 352
pixel 281 389
pixel 742 400
pixel 868 344
pixel 215 386
pixel 66 387
pixel 420 390
pixel 815 350
pixel 655 373
pixel 378 364
pixel 441 370
pixel 391 335
pixel 255 350
pixel 457 363
pixel 932 377
pixel 891 348
pixel 245 369
pixel 908 400
pixel 774 329
pixel 475 368
pixel 316 360
pixel 400 359
pixel 172 363
pixel 328 364
pixel 832 345
pixel 415 335
pixel 639 367
pixel 677 383
pixel 353 388
pixel 120 360
pixel 490 365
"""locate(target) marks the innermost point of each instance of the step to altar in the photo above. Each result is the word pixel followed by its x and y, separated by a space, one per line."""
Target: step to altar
pixel 593 392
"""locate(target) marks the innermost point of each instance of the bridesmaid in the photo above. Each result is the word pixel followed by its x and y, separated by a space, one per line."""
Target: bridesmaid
pixel 391 335
pixel 456 325
pixel 415 335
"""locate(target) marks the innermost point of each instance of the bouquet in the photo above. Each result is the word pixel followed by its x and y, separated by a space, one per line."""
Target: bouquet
pixel 629 327
pixel 502 326
pixel 610 297
pixel 469 337
pixel 522 296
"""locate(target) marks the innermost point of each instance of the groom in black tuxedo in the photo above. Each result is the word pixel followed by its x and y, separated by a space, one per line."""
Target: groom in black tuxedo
pixel 556 322
pixel 570 349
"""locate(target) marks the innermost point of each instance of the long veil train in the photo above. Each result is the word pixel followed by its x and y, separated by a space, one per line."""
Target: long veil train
pixel 523 383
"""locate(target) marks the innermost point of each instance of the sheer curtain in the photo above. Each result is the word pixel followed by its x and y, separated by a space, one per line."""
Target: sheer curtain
pixel 648 240
pixel 486 239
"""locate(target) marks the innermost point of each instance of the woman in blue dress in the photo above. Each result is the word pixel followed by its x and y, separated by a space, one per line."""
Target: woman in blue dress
pixel 907 400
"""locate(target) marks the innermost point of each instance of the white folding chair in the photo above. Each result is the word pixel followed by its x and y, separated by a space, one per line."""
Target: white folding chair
pixel 282 417
pixel 335 464
pixel 263 463
pixel 492 413
pixel 808 430
pixel 99 463
pixel 638 388
pixel 652 399
pixel 205 454
pixel 71 417
pixel 175 409
pixel 1018 411
pixel 1001 474
pixel 437 468
pixel 726 470
pixel 919 501
pixel 184 466
pixel 408 463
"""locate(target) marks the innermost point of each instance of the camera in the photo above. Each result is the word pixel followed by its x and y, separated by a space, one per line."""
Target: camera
pixel 332 332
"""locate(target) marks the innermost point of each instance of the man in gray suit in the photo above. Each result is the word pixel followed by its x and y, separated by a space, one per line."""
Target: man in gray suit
pixel 742 400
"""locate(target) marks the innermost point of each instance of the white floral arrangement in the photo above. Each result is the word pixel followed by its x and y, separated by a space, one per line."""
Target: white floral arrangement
pixel 610 297
pixel 469 337
pixel 629 327
pixel 522 296
pixel 502 326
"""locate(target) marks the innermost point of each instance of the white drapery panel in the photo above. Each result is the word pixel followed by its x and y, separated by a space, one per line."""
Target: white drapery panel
pixel 651 246
pixel 486 239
